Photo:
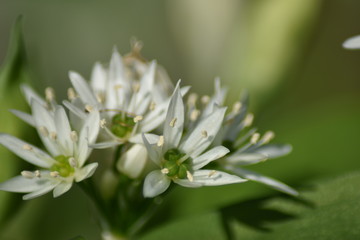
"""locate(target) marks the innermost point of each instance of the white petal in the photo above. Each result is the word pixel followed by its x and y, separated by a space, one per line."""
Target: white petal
pixel 143 97
pixel 211 155
pixel 61 188
pixel 74 109
pixel 24 116
pixel 210 178
pixel 196 143
pixel 116 68
pixel 21 184
pixel 98 78
pixel 86 172
pixel 246 158
pixel 155 183
pixel 153 151
pixel 83 89
pixel 274 150
pixel 63 130
pixel 44 118
pixel 352 43
pixel 133 161
pixel 34 156
pixel 152 138
pixel 103 145
pixel 265 180
pixel 174 122
pixel 41 191
pixel 31 94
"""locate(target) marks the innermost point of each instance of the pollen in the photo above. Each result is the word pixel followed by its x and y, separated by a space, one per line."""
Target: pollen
pixel 138 119
pixel 160 143
pixel 49 94
pixel 103 123
pixel 43 131
pixel 71 94
pixel 27 147
pixel 74 136
pixel 54 174
pixel 194 115
pixel 27 174
pixel 172 122
pixel 255 138
pixel 37 174
pixel 89 108
pixel 165 170
pixel 248 119
pixel 204 133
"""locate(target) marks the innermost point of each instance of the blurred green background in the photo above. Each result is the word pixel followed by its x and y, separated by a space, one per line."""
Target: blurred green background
pixel 303 85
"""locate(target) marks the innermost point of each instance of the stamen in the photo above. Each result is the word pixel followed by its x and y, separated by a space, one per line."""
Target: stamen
pixel 255 138
pixel 71 94
pixel 49 94
pixel 248 119
pixel 172 122
pixel 160 143
pixel 194 115
pixel 37 174
pixel 138 119
pixel 268 136
pixel 165 170
pixel 192 99
pixel 205 99
pixel 53 135
pixel 189 176
pixel 136 87
pixel 89 108
pixel 204 133
pixel 236 107
pixel 211 173
pixel 27 174
pixel 74 136
pixel 27 147
pixel 100 97
pixel 54 174
pixel 103 123
pixel 152 106
pixel 43 131
pixel 72 162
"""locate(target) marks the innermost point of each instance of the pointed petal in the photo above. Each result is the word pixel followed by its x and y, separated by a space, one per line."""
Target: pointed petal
pixel 86 172
pixel 21 184
pixel 243 159
pixel 274 150
pixel 196 143
pixel 30 94
pixel 83 89
pixel 74 109
pixel 210 178
pixel 174 122
pixel 63 130
pixel 253 176
pixel 152 138
pixel 352 43
pixel 211 155
pixel 98 78
pixel 24 116
pixel 26 151
pixel 103 145
pixel 153 151
pixel 155 183
pixel 61 188
pixel 42 191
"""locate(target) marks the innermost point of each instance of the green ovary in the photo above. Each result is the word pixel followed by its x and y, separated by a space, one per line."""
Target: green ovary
pixel 122 125
pixel 62 166
pixel 176 169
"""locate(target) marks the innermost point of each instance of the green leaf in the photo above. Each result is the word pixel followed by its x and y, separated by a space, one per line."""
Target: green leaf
pixel 327 210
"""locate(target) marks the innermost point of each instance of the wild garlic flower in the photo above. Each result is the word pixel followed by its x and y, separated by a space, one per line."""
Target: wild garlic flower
pixel 247 147
pixel 180 158
pixel 65 160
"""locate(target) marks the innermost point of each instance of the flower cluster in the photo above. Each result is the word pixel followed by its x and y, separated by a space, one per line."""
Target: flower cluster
pixel 130 108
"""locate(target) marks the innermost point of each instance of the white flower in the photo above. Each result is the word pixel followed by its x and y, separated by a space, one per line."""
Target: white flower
pixel 67 152
pixel 179 158
pixel 352 43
